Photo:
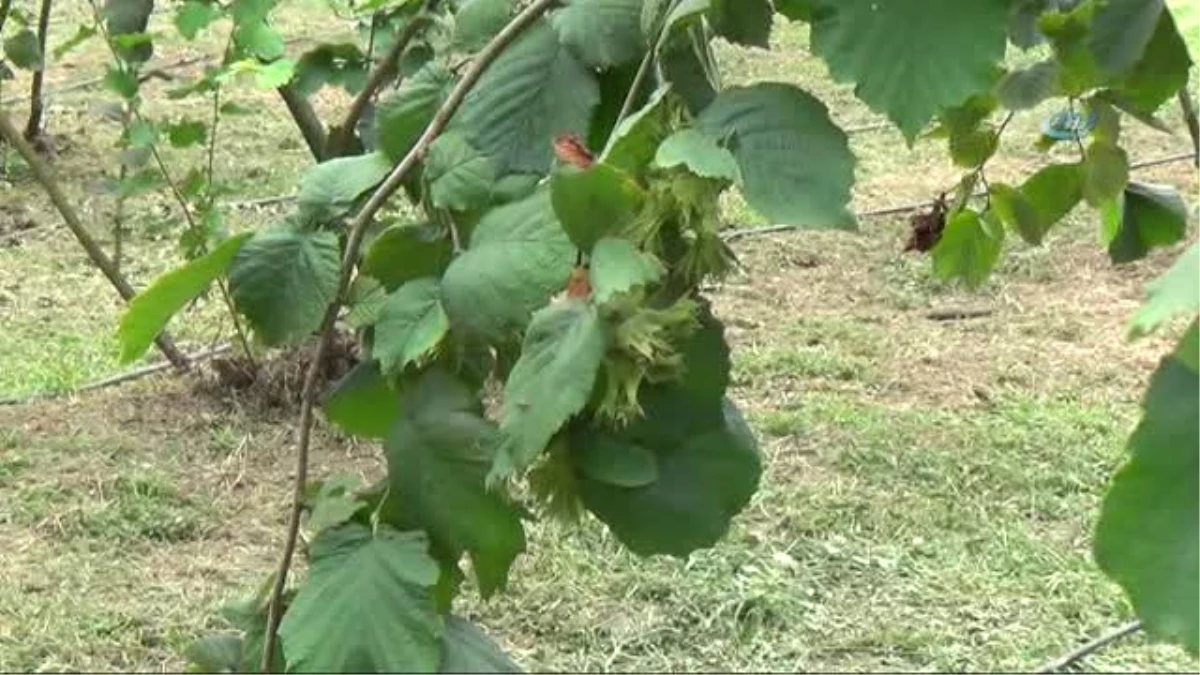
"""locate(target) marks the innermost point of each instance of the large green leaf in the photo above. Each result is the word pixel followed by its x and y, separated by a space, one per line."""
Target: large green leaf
pixel 871 43
pixel 24 50
pixel 439 454
pixel 1151 216
pixel 707 463
pixel 459 176
pixel 1147 538
pixel 593 203
pixel 1172 294
pixel 968 248
pixel 1042 200
pixel 402 117
pixel 405 252
pixel 283 280
pixel 465 649
pixel 362 403
pixel 604 33
pixel 149 312
pixel 366 605
pixel 746 22
pixel 193 16
pixel 687 66
pixel 1159 73
pixel 551 382
pixel 1120 31
pixel 1026 88
pixel 477 21
pixel 700 153
pixel 617 266
pixel 129 18
pixel 518 258
pixel 331 188
pixel 796 164
pixel 535 91
pixel 633 142
pixel 1105 172
pixel 410 326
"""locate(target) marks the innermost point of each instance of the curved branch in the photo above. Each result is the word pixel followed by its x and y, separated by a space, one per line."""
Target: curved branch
pixel 358 228
pixel 1188 107
pixel 99 258
pixel 341 135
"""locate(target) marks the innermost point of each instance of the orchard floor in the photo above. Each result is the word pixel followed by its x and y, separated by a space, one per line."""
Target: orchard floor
pixel 930 485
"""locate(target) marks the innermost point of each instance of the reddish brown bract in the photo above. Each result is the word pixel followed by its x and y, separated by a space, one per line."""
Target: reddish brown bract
pixel 568 149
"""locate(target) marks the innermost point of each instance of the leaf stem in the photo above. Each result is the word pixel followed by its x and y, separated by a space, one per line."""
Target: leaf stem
pixel 340 136
pixel 358 228
pixel 1188 107
pixel 636 86
pixel 41 172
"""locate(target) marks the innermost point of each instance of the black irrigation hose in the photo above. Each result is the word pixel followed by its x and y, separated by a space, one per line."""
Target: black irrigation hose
pixel 735 235
pixel 114 380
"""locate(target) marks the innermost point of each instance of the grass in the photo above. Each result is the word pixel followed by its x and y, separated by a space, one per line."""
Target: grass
pixel 930 486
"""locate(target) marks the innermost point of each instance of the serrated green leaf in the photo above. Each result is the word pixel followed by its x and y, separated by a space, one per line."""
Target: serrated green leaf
pixel 634 140
pixel 403 116
pixel 439 454
pixel 869 43
pixel 150 311
pixel 1105 172
pixel 283 280
pixel 411 325
pixel 700 153
pixel 24 50
pixel 186 133
pixel 603 33
pixel 362 403
pixel 477 21
pixel 1147 538
pixel 258 39
pixel 519 256
pixel 973 148
pixel 707 462
pixel 620 464
pixel 968 249
pixel 1161 71
pixel 616 266
pixel 334 505
pixel 141 134
pixel 405 252
pixel 340 63
pixel 745 22
pixel 771 126
pixel 1172 294
pixel 1120 31
pixel 550 383
pixel 535 91
pixel 1022 23
pixel 459 176
pixel 688 68
pixel 330 189
pixel 465 649
pixel 594 203
pixel 1188 349
pixel 221 653
pixel 1187 18
pixel 365 606
pixel 194 16
pixel 1151 216
pixel 1026 88
pixel 129 18
pixel 1043 200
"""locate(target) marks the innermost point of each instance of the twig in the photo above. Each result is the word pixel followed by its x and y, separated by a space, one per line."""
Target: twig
pixel 114 380
pixel 99 258
pixel 1090 648
pixel 955 314
pixel 37 99
pixel 358 228
pixel 1188 108
pixel 636 86
pixel 341 135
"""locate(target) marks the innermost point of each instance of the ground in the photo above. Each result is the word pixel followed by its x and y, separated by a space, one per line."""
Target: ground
pixel 930 485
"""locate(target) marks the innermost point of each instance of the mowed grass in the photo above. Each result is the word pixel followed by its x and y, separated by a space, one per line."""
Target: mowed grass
pixel 929 492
